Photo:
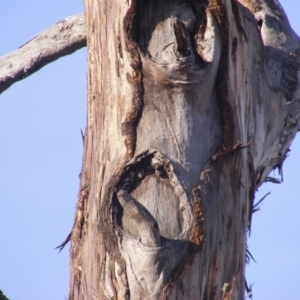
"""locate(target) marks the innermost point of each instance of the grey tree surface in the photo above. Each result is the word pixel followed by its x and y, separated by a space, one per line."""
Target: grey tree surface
pixel 190 105
pixel 61 39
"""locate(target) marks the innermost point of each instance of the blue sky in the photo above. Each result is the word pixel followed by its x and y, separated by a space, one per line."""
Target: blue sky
pixel 40 122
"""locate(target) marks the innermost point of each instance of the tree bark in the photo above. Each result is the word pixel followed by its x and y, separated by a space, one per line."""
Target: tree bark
pixel 190 105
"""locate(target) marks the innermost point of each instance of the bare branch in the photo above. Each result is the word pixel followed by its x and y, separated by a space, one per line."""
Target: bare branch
pixel 63 38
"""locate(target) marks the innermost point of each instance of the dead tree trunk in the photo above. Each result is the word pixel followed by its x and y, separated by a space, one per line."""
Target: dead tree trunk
pixel 190 105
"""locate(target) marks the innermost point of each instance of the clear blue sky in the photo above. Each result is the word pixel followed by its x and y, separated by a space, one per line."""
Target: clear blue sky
pixel 40 122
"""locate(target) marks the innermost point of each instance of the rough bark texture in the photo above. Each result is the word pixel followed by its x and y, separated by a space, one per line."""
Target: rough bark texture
pixel 191 104
pixel 63 38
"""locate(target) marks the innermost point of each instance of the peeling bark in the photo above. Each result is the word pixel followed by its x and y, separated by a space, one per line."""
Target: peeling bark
pixel 190 105
pixel 63 38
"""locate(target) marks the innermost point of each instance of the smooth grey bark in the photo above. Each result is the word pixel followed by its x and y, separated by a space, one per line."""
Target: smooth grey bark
pixel 63 38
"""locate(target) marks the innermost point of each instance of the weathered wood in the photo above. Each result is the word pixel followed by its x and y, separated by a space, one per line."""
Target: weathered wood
pixel 152 254
pixel 146 227
pixel 191 104
pixel 63 38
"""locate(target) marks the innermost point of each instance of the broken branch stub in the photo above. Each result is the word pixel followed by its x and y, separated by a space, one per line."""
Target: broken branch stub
pixel 153 233
pixel 147 227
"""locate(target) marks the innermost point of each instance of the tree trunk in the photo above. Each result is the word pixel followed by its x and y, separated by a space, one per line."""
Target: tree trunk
pixel 190 105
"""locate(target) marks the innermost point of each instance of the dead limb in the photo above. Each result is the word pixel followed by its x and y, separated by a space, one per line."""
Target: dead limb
pixel 63 38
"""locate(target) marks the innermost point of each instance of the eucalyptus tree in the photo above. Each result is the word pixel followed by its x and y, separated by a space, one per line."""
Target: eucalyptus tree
pixel 190 105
